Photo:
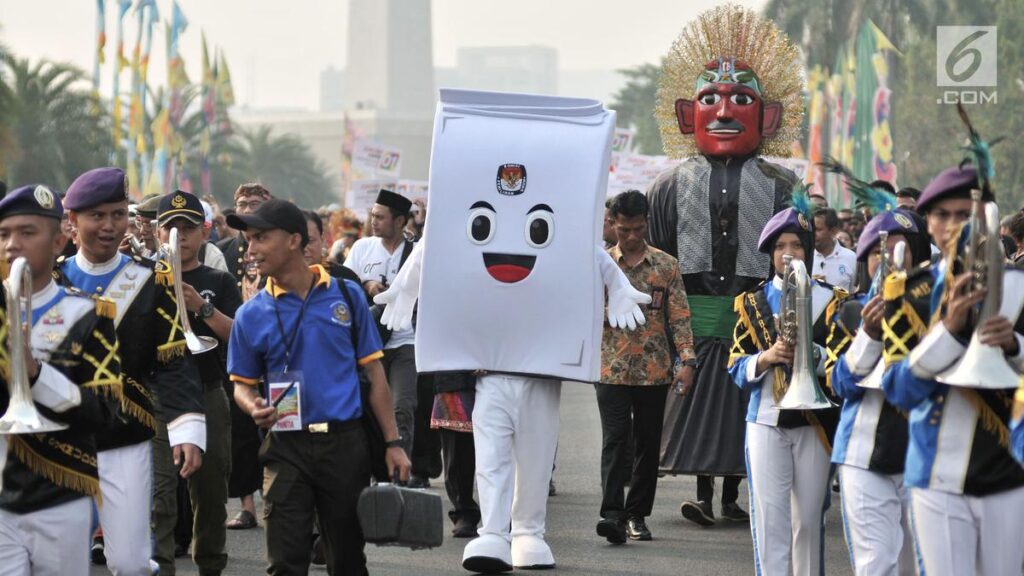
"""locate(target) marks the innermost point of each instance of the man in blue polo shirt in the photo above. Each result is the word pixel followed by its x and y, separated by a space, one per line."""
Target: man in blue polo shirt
pixel 305 338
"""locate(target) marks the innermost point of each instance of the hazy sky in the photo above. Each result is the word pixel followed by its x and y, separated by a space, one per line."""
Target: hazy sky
pixel 277 48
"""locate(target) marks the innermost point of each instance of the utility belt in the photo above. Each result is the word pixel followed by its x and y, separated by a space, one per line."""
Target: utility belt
pixel 333 427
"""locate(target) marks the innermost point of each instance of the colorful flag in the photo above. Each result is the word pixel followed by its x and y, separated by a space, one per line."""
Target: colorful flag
pixel 873 153
pixel 119 64
pixel 101 42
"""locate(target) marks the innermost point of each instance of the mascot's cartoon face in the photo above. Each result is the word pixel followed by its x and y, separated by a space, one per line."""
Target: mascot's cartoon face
pixel 509 281
pixel 538 232
pixel 728 116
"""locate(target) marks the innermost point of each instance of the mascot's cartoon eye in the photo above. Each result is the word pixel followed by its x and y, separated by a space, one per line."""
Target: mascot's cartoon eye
pixel 710 99
pixel 742 99
pixel 540 226
pixel 480 226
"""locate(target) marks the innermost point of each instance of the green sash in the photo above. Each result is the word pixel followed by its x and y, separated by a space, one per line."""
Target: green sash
pixel 712 316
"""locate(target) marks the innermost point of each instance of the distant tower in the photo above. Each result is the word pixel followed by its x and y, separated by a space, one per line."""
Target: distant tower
pixel 390 58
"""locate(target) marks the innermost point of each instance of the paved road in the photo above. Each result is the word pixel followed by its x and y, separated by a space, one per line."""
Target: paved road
pixel 679 547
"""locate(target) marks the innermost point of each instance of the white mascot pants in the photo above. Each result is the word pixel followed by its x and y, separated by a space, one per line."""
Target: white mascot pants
pixel 515 428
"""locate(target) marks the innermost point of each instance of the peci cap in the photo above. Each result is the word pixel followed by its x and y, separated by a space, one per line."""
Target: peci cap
pixel 396 202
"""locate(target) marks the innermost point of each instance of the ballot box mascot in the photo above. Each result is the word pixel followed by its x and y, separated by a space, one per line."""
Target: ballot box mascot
pixel 730 91
pixel 510 279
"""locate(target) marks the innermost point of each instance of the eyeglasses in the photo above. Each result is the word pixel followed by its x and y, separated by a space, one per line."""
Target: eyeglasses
pixel 250 205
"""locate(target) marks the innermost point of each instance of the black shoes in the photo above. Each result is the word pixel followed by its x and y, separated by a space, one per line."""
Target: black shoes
pixel 612 530
pixel 733 513
pixel 96 553
pixel 637 529
pixel 699 512
pixel 181 549
pixel 464 529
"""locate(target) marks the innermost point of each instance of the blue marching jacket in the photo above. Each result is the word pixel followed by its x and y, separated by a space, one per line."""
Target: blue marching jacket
pixel 959 437
pixel 755 332
pixel 872 433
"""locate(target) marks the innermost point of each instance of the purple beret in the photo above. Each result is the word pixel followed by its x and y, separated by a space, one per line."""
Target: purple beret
pixel 95 187
pixel 35 199
pixel 788 220
pixel 894 222
pixel 955 182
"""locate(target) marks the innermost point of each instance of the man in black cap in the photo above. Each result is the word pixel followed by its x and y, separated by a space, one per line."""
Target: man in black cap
pixel 71 362
pixel 304 335
pixel 245 441
pixel 211 299
pixel 377 260
pixel 160 381
pixel 142 228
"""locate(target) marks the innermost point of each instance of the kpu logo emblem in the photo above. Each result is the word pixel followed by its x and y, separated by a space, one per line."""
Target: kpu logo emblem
pixel 965 63
pixel 511 179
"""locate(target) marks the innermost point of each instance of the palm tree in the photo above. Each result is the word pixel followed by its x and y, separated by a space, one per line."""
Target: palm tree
pixel 283 163
pixel 634 104
pixel 56 130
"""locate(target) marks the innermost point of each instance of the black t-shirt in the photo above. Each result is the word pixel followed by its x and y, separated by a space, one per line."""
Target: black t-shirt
pixel 219 288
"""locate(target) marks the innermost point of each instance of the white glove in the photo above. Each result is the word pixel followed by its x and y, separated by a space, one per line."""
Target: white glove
pixel 624 307
pixel 400 298
pixel 623 300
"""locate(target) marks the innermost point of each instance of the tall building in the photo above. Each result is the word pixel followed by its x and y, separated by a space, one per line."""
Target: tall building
pixel 390 57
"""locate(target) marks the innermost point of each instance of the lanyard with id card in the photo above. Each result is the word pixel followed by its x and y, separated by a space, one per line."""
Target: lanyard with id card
pixel 284 389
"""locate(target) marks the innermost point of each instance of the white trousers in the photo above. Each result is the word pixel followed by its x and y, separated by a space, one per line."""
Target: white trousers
pixel 876 520
pixel 958 534
pixel 126 483
pixel 515 428
pixel 787 475
pixel 49 542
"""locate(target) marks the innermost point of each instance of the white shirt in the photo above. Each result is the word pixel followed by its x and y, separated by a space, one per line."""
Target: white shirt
pixel 214 258
pixel 838 268
pixel 371 261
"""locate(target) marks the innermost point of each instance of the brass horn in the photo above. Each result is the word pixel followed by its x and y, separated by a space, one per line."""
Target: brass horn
pixel 874 379
pixel 803 392
pixel 984 366
pixel 196 344
pixel 22 416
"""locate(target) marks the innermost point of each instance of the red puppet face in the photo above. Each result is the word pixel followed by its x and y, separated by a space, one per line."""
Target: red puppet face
pixel 728 117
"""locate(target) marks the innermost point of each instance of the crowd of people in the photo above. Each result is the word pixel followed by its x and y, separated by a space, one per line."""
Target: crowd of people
pixel 175 354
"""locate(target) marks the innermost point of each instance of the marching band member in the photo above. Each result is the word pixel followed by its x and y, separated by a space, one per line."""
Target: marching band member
pixel 967 492
pixel 160 383
pixel 871 439
pixel 49 478
pixel 787 451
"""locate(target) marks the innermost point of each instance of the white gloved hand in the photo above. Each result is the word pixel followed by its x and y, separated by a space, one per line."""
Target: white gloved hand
pixel 400 298
pixel 624 307
pixel 398 308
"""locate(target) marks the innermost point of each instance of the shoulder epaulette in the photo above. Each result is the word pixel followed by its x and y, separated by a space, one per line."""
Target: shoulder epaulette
pixel 105 307
pixel 839 297
pixel 163 273
pixel 895 286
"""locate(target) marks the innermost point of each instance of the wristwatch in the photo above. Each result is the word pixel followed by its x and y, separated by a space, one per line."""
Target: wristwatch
pixel 396 443
pixel 206 310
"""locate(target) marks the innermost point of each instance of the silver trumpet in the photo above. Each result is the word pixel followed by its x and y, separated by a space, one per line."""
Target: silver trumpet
pixel 803 392
pixel 984 366
pixel 899 254
pixel 22 416
pixel 196 344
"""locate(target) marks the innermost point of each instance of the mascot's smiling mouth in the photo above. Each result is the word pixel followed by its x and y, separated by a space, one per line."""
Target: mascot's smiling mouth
pixel 508 268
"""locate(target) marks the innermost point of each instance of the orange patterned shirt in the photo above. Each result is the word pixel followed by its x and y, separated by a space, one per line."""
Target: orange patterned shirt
pixel 643 356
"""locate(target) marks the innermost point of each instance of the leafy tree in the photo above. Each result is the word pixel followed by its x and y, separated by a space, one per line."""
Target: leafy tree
pixel 55 132
pixel 634 104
